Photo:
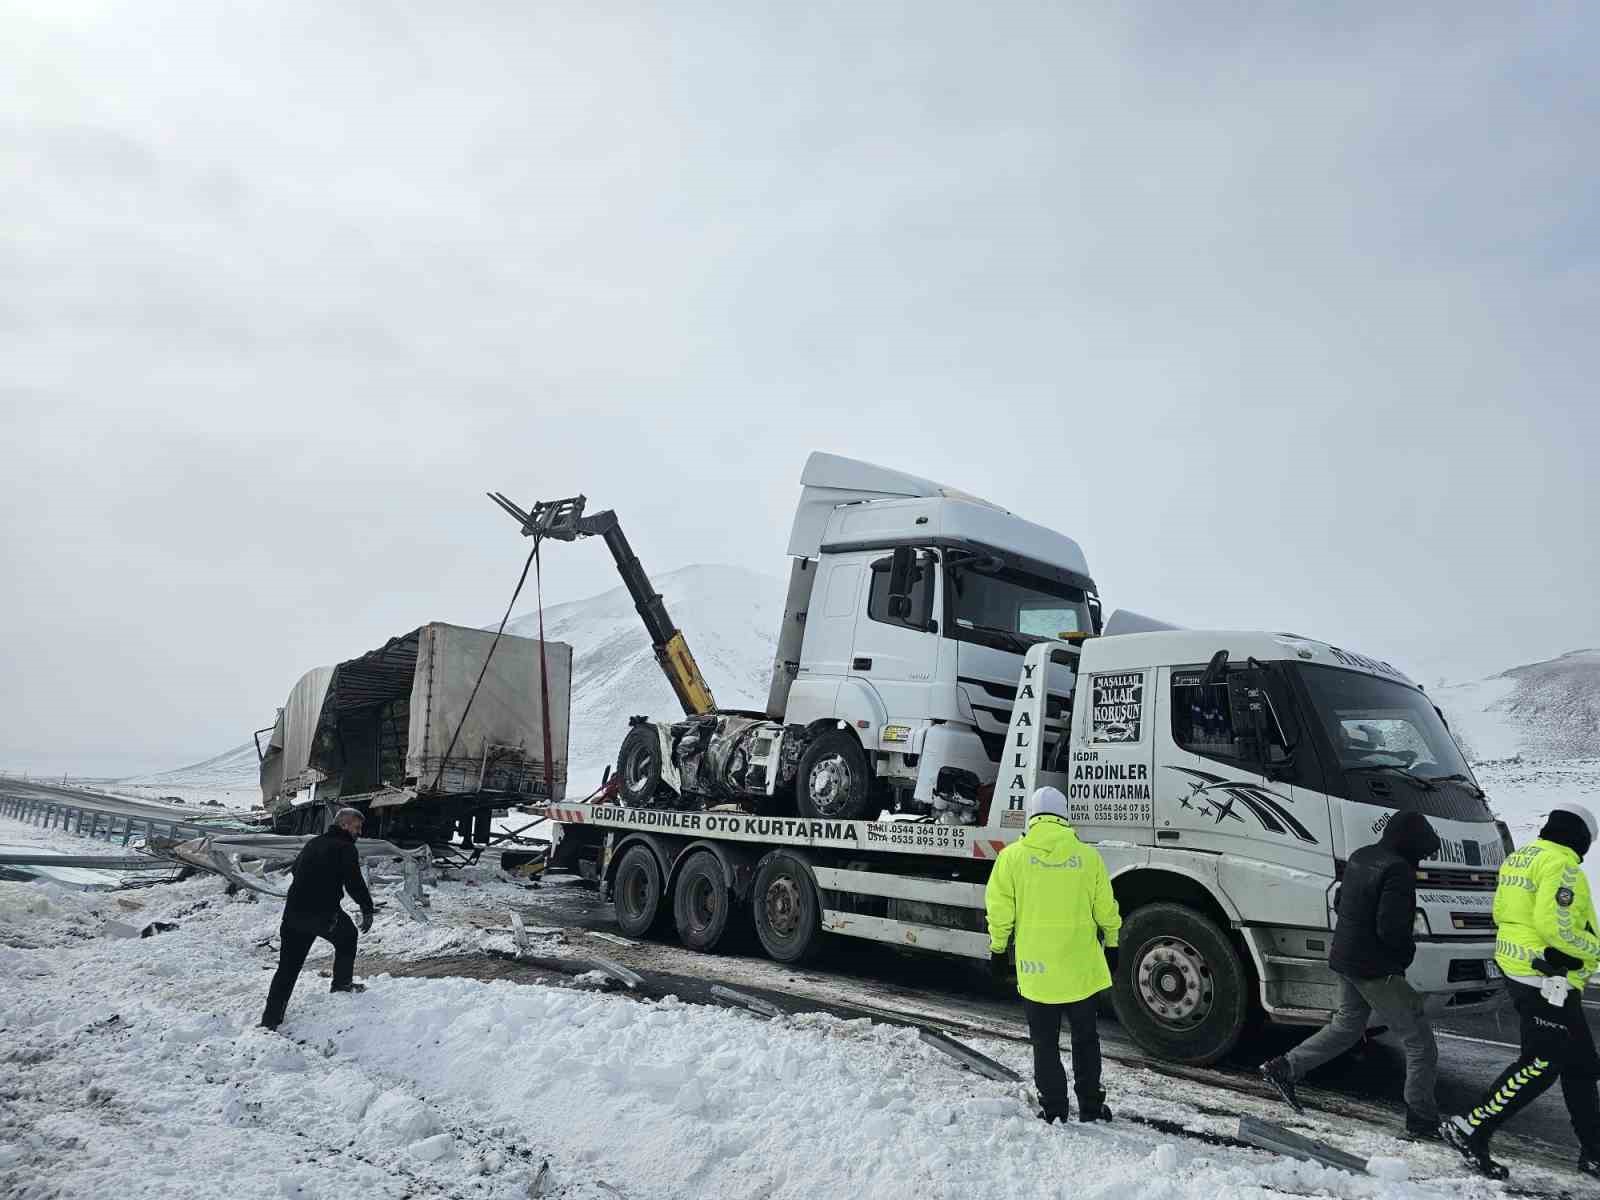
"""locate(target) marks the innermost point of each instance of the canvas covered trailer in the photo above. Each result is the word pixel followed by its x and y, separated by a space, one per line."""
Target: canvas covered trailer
pixel 397 731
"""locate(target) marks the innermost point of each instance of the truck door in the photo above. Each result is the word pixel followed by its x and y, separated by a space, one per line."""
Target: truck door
pixel 896 652
pixel 1112 753
pixel 825 649
pixel 1220 788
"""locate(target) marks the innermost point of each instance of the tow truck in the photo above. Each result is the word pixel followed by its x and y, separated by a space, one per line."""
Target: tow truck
pixel 1225 777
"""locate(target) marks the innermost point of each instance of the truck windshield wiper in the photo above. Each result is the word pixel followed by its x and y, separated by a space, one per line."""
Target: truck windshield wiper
pixel 1458 777
pixel 1420 781
pixel 1019 641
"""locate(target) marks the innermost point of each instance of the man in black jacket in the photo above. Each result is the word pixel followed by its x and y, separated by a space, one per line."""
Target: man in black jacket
pixel 1373 945
pixel 328 865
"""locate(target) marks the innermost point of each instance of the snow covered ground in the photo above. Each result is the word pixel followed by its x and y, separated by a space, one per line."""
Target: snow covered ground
pixel 132 1068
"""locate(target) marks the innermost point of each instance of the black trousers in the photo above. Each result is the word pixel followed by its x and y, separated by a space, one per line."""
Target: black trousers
pixel 1044 1031
pixel 295 937
pixel 1556 1043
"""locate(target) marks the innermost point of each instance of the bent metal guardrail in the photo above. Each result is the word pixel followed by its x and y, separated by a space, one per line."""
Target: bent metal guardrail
pixel 85 820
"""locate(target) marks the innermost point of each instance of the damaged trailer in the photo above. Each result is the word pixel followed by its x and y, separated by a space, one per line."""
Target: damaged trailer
pixel 411 735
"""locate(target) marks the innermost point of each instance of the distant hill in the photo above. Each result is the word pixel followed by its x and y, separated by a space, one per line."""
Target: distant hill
pixel 1547 710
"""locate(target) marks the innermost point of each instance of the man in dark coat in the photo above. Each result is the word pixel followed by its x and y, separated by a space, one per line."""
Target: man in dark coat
pixel 328 866
pixel 1373 945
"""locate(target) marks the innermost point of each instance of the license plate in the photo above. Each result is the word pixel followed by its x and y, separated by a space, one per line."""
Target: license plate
pixel 1491 969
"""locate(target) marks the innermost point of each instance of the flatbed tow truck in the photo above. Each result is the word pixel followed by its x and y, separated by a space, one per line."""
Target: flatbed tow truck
pixel 1225 777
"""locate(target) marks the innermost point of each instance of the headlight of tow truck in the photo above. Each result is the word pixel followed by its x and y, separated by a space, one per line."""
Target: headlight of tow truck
pixel 1419 924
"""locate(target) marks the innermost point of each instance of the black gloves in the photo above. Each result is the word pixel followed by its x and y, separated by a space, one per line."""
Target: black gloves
pixel 1111 958
pixel 1556 962
pixel 999 967
pixel 366 920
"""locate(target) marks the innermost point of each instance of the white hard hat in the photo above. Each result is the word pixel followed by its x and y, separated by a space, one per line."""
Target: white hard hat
pixel 1049 800
pixel 1583 814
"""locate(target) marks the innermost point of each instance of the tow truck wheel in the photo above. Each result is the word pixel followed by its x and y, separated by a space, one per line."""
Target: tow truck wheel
pixel 637 892
pixel 639 765
pixel 702 905
pixel 832 778
pixel 1181 990
pixel 787 913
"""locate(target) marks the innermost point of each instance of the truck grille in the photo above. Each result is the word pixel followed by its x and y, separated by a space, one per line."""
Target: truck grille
pixel 1471 920
pixel 1461 879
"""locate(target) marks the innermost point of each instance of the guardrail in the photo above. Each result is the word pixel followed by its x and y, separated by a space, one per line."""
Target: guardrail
pixel 98 823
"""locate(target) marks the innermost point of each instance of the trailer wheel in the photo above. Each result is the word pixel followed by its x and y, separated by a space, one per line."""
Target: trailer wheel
pixel 1181 989
pixel 639 766
pixel 637 892
pixel 832 781
pixel 702 905
pixel 787 912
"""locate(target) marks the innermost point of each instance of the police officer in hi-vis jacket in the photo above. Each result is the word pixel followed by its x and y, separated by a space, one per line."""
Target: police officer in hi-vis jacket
pixel 1052 891
pixel 1547 944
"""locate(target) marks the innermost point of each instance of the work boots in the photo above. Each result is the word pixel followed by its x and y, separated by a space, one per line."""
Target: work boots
pixel 1276 1072
pixel 1420 1128
pixel 1094 1108
pixel 1473 1146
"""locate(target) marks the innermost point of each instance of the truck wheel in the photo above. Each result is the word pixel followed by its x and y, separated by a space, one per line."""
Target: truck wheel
pixel 832 779
pixel 637 893
pixel 639 766
pixel 1181 989
pixel 788 916
pixel 702 905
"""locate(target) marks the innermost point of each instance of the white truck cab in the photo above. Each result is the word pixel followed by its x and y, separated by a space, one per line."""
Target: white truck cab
pixel 909 608
pixel 1232 774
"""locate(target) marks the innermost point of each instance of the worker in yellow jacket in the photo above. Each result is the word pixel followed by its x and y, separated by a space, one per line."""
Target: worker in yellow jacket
pixel 1052 890
pixel 1547 944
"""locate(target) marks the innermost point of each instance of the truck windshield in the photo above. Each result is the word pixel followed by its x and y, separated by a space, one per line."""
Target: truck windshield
pixel 1380 726
pixel 1012 609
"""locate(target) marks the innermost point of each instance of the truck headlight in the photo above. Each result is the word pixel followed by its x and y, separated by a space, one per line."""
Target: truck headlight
pixel 1419 923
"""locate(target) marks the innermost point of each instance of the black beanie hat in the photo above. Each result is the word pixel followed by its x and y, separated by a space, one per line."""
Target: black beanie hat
pixel 1567 829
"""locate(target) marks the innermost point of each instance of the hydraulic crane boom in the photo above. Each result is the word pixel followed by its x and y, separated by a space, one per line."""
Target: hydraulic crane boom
pixel 564 520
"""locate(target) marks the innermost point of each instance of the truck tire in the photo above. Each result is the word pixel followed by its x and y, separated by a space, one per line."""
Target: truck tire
pixel 636 892
pixel 832 781
pixel 639 766
pixel 702 905
pixel 1181 989
pixel 788 913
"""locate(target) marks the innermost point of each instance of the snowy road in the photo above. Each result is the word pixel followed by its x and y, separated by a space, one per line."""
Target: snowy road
pixel 870 978
pixel 132 1068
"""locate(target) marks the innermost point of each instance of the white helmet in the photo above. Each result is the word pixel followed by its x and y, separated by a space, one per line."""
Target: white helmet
pixel 1583 814
pixel 1049 801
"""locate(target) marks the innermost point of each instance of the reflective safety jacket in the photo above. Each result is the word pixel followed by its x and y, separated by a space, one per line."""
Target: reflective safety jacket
pixel 1053 891
pixel 1543 900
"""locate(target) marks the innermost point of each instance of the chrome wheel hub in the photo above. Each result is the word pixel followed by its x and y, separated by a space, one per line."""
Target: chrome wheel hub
pixel 1174 982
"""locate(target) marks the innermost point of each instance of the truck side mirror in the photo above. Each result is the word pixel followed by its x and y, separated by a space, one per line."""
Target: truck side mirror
pixel 900 567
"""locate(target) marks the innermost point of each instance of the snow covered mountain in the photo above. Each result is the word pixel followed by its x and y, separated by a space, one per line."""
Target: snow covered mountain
pixel 728 614
pixel 1545 710
pixel 1533 736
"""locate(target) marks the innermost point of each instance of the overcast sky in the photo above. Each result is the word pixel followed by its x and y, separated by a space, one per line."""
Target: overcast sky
pixel 1286 313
